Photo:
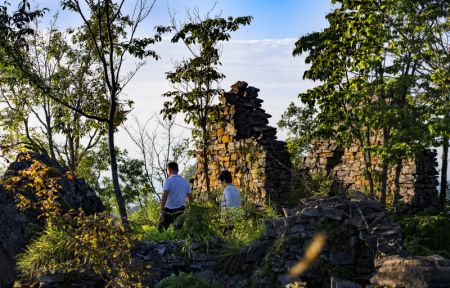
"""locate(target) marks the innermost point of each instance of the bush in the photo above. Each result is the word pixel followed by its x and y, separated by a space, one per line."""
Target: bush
pixel 185 280
pixel 427 235
pixel 306 185
pixel 204 222
pixel 52 250
pixel 148 215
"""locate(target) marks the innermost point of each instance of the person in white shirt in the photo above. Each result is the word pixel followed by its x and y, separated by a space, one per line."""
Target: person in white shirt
pixel 231 201
pixel 231 195
pixel 176 190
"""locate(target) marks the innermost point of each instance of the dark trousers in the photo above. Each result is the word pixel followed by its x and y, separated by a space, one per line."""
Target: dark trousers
pixel 168 217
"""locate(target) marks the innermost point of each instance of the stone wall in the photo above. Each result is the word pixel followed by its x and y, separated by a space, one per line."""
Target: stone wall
pixel 346 165
pixel 244 144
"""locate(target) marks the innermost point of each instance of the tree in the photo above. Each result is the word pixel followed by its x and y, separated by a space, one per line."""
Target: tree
pixel 110 35
pixel 436 89
pixel 37 122
pixel 299 121
pixel 196 80
pixel 367 62
pixel 157 147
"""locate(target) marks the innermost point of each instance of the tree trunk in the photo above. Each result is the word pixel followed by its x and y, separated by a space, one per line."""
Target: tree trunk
pixel 205 161
pixel 384 171
pixel 443 192
pixel 398 170
pixel 368 163
pixel 384 176
pixel 115 174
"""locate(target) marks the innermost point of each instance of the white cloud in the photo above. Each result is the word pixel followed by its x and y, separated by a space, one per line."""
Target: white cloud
pixel 267 64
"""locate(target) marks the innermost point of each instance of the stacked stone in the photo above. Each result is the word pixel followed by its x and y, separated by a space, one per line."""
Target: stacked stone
pixel 242 143
pixel 346 165
pixel 357 229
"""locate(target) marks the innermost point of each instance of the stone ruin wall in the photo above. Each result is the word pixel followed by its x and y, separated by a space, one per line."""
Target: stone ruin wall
pixel 418 178
pixel 244 144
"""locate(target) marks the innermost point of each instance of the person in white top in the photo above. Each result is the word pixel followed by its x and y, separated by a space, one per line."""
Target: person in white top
pixel 176 190
pixel 231 195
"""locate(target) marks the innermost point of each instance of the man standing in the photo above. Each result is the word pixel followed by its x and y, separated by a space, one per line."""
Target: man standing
pixel 176 189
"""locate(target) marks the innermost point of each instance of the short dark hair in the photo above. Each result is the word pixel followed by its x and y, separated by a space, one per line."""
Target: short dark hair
pixel 225 176
pixel 172 166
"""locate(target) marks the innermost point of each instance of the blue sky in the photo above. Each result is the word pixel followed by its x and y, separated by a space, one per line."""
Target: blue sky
pixel 260 54
pixel 272 18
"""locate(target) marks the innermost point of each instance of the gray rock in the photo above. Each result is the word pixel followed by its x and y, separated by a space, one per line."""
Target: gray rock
pixel 17 227
pixel 340 283
pixel 311 212
pixel 409 272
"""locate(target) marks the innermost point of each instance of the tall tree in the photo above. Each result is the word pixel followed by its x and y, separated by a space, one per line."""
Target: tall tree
pixel 196 80
pixel 435 93
pixel 157 147
pixel 111 35
pixel 37 122
pixel 368 67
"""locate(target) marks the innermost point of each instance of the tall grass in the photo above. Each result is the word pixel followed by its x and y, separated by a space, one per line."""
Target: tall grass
pixel 52 250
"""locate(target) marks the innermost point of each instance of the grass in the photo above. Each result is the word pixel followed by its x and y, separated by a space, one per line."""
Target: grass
pixel 427 235
pixel 52 250
pixel 204 222
pixel 187 280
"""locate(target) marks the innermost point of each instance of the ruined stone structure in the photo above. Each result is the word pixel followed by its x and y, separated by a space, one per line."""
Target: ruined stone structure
pixel 244 144
pixel 346 165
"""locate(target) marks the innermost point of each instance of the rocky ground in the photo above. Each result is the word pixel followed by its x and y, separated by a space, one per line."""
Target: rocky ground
pixel 363 248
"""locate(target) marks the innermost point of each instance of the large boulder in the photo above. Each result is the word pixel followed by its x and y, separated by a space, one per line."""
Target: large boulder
pixel 412 272
pixel 358 231
pixel 18 227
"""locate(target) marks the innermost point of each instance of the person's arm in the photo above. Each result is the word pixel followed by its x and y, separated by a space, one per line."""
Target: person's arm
pixel 227 197
pixel 163 201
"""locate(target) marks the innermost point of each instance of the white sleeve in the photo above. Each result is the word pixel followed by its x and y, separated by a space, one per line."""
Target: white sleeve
pixel 227 197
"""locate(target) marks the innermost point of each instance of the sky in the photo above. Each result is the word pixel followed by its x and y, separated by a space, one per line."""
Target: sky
pixel 260 54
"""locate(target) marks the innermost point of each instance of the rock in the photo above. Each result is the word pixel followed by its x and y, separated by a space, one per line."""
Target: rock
pixel 51 279
pixel 256 251
pixel 418 177
pixel 409 272
pixel 310 212
pixel 243 141
pixel 18 227
pixel 340 283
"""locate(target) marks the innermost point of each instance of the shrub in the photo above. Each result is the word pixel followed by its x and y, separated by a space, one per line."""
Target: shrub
pixel 185 280
pixel 427 235
pixel 92 242
pixel 306 185
pixel 52 250
pixel 148 215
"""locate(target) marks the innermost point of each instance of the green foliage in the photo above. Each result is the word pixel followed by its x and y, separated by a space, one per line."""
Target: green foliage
pixel 306 185
pixel 99 244
pixel 185 280
pixel 427 235
pixel 196 80
pixel 300 122
pixel 204 222
pixel 367 62
pixel 52 250
pixel 148 214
